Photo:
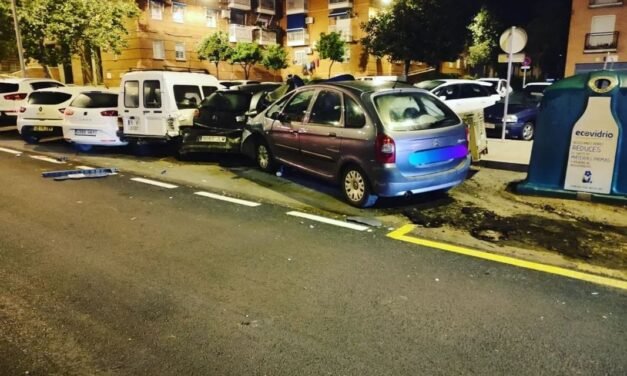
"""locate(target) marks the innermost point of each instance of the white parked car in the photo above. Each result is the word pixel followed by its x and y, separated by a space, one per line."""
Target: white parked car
pixel 92 119
pixel 13 93
pixel 461 96
pixel 154 104
pixel 498 85
pixel 41 116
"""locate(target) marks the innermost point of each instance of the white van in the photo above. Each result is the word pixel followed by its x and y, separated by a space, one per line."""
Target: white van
pixel 153 104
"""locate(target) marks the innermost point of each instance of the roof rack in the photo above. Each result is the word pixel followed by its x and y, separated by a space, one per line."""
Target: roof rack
pixel 170 69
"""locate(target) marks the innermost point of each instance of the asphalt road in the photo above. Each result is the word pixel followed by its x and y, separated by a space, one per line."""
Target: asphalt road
pixel 112 276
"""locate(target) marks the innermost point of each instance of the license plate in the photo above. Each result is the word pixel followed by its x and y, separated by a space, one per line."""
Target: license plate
pixel 40 128
pixel 490 125
pixel 212 139
pixel 85 132
pixel 132 125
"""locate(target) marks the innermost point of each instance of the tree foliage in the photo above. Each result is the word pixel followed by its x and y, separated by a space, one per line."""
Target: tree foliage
pixel 331 46
pixel 428 31
pixel 7 32
pixel 484 33
pixel 54 31
pixel 247 55
pixel 215 48
pixel 275 58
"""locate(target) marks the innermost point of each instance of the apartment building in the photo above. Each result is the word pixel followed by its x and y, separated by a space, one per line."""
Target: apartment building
pixel 597 37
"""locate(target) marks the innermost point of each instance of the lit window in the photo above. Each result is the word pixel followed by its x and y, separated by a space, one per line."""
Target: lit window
pixel 300 57
pixel 158 50
pixel 211 17
pixel 178 12
pixel 156 10
pixel 180 51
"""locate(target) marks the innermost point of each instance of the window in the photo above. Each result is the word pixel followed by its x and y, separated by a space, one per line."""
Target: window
pixel 296 37
pixel 353 114
pixel 276 107
pixel 158 50
pixel 297 107
pixel 179 50
pixel 8 87
pixel 44 85
pixel 95 100
pixel 327 109
pixel 131 94
pixel 206 90
pixel 448 92
pixel 473 91
pixel 429 85
pixel 178 12
pixel 211 17
pixel 186 96
pixel 152 94
pixel 156 9
pixel 413 111
pixel 48 97
pixel 228 101
pixel 300 57
pixel 237 17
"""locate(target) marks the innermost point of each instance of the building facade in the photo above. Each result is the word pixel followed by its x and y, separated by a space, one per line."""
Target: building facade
pixel 597 37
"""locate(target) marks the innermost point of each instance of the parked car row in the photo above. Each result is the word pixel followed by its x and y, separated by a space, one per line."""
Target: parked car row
pixel 372 138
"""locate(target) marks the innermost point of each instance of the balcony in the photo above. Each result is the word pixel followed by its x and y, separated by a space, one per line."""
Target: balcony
pixel 604 3
pixel 336 4
pixel 344 30
pixel 601 42
pixel 266 7
pixel 296 6
pixel 240 4
pixel 299 37
pixel 239 33
pixel 265 37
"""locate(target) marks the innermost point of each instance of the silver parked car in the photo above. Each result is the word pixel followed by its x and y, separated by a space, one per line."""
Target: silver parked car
pixel 375 139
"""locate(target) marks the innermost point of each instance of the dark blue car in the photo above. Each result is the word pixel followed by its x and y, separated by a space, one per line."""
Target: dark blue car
pixel 521 116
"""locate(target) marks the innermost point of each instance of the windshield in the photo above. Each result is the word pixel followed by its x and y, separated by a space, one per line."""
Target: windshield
pixel 48 97
pixel 429 85
pixel 523 98
pixel 413 111
pixel 95 100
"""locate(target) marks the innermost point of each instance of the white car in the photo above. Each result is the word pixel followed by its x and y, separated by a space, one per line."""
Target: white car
pixel 92 119
pixel 499 86
pixel 462 96
pixel 41 116
pixel 13 93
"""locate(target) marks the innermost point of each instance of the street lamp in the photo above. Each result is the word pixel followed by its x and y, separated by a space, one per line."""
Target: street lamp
pixel 18 37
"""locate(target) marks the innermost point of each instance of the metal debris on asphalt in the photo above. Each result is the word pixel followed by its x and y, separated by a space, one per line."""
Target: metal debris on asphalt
pixel 365 221
pixel 80 174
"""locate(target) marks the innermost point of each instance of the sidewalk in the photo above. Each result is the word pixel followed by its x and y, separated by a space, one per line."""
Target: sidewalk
pixel 513 155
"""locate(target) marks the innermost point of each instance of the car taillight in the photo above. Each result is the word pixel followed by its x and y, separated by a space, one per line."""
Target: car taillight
pixel 15 97
pixel 22 109
pixel 68 112
pixel 62 110
pixel 196 114
pixel 109 113
pixel 385 149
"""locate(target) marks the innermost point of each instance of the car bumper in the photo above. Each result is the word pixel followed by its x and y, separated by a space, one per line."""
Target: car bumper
pixel 102 136
pixel 196 141
pixel 41 131
pixel 389 182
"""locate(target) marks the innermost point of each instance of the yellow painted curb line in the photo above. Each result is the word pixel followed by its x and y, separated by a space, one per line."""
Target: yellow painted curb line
pixel 401 234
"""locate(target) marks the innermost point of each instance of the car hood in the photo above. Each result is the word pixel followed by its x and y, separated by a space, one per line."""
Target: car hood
pixel 513 109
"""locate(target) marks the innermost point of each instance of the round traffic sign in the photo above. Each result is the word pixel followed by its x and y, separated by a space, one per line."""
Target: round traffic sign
pixel 526 62
pixel 514 37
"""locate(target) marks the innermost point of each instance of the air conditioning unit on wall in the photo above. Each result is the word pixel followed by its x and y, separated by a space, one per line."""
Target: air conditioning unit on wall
pixel 225 13
pixel 309 20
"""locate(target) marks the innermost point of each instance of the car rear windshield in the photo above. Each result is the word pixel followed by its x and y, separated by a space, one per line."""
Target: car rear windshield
pixel 48 97
pixel 95 100
pixel 187 96
pixel 44 85
pixel 410 111
pixel 429 85
pixel 232 101
pixel 6 87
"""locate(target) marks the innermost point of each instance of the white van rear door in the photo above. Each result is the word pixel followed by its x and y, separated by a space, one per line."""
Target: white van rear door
pixel 154 118
pixel 131 108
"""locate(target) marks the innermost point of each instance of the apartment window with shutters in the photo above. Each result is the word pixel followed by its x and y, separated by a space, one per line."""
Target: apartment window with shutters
pixel 211 16
pixel 300 57
pixel 178 12
pixel 158 50
pixel 179 50
pixel 156 10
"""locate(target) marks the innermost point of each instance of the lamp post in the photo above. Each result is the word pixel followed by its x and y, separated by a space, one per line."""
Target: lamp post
pixel 18 37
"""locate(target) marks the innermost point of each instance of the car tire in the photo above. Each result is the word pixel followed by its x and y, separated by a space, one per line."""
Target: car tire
pixel 356 188
pixel 30 139
pixel 263 157
pixel 528 131
pixel 83 148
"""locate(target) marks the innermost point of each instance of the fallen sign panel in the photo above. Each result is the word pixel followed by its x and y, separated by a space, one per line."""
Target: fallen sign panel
pixel 91 173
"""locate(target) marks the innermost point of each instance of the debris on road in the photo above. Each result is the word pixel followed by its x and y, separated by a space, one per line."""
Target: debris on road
pixel 80 174
pixel 365 221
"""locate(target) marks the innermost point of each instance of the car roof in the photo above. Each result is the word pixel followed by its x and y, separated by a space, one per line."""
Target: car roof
pixel 490 79
pixel 539 84
pixel 17 80
pixel 447 81
pixel 66 89
pixel 358 86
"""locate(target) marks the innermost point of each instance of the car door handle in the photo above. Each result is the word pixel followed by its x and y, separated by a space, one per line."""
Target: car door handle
pixel 126 110
pixel 146 111
pixel 332 134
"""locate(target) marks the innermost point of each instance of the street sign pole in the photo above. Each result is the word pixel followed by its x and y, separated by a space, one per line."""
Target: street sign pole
pixel 18 37
pixel 509 77
pixel 525 76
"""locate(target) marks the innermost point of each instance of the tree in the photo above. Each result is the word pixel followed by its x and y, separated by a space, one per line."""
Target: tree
pixel 247 55
pixel 275 58
pixel 429 31
pixel 484 31
pixel 215 48
pixel 8 48
pixel 59 30
pixel 332 47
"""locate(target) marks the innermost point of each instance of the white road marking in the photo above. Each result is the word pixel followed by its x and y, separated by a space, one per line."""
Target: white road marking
pixel 46 159
pixel 329 221
pixel 84 168
pixel 11 151
pixel 154 182
pixel 8 128
pixel 228 199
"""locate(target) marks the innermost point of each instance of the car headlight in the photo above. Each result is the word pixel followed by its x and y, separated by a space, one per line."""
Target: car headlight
pixel 511 119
